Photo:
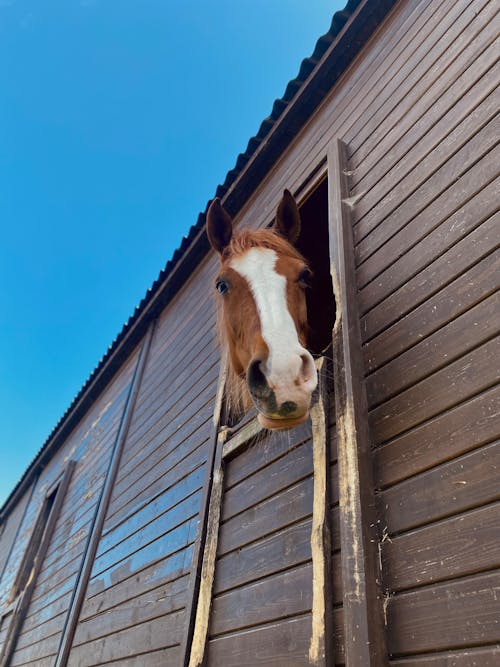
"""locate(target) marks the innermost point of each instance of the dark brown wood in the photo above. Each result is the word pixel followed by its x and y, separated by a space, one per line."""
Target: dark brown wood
pixel 468 204
pixel 371 237
pixel 459 430
pixel 40 542
pixel 439 110
pixel 364 629
pixel 468 375
pixel 107 488
pixel 278 644
pixel 482 657
pixel 454 547
pixel 455 486
pixel 445 616
pixel 474 327
pixel 442 295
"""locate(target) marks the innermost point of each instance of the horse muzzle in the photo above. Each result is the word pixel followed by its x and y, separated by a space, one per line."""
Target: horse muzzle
pixel 284 404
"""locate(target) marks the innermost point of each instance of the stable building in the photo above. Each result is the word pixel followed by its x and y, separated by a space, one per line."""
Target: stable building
pixel 157 527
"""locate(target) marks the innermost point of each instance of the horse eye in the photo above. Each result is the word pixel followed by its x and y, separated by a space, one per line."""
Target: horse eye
pixel 305 278
pixel 221 286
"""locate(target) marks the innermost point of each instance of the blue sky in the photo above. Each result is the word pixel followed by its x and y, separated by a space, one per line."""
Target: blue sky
pixel 117 121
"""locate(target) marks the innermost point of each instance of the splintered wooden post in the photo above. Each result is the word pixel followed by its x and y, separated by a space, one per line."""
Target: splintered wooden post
pixel 321 645
pixel 363 618
pixel 202 617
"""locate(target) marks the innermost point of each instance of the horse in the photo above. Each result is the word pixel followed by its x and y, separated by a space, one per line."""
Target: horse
pixel 261 286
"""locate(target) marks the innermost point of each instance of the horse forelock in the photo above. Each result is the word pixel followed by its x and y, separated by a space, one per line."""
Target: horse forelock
pixel 246 239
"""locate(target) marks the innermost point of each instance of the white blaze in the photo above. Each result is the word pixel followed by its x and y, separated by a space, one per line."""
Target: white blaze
pixel 268 287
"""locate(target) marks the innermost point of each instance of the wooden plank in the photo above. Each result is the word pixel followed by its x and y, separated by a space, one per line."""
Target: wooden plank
pixel 174 417
pixel 364 631
pixel 158 633
pixel 164 442
pixel 281 644
pixel 293 466
pixel 151 604
pixel 440 108
pixel 445 616
pixel 371 234
pixel 454 547
pixel 158 529
pixel 196 636
pixel 185 459
pixel 448 298
pixel 172 495
pixel 167 657
pixel 379 203
pixel 277 552
pixel 487 656
pixel 176 392
pixel 282 595
pixel 461 257
pixel 158 574
pixel 440 391
pixel 175 540
pixel 264 452
pixel 451 342
pixel 459 430
pixel 426 32
pixel 275 513
pixel 469 203
pixel 453 487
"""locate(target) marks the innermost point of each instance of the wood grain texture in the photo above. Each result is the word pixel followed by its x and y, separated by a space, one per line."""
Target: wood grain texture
pixel 462 483
pixel 454 547
pixel 461 429
pixel 445 616
pixel 465 377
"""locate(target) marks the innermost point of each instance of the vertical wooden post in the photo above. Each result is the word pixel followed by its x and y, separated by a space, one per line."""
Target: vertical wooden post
pixel 321 650
pixel 363 617
pixel 212 487
pixel 102 506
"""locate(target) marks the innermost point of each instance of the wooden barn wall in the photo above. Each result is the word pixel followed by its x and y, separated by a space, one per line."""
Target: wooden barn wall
pixel 134 610
pixel 89 446
pixel 418 112
pixel 10 528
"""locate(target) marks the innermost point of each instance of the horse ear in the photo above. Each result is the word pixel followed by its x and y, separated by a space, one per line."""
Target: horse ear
pixel 288 217
pixel 219 226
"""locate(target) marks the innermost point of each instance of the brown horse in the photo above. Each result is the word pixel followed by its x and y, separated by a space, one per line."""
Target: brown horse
pixel 261 283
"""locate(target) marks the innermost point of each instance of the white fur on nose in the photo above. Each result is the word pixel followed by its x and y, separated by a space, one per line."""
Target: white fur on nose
pixel 286 355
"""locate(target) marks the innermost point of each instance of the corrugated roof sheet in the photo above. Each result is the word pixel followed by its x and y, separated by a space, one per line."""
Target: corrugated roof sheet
pixel 375 10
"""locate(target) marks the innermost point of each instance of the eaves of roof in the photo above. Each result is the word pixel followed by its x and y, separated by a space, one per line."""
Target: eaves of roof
pixel 334 51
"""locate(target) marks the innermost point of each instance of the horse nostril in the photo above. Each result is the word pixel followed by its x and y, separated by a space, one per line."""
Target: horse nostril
pixel 308 374
pixel 257 382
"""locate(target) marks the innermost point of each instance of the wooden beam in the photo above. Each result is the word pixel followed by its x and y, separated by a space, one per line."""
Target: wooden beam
pixel 363 615
pixel 321 649
pixel 203 526
pixel 197 646
pixel 102 506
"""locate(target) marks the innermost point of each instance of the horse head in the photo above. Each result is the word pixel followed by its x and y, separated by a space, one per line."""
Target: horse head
pixel 261 283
